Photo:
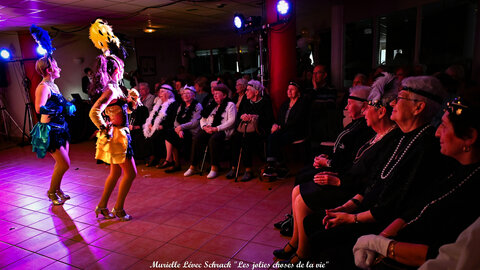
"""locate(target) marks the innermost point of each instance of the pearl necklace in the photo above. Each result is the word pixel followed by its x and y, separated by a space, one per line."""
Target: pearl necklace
pixel 383 175
pixel 444 195
pixel 370 144
pixel 52 86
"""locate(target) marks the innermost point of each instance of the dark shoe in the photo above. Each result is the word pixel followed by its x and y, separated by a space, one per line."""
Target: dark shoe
pixel 279 224
pixel 247 176
pixel 173 169
pixel 287 229
pixel 230 174
pixel 165 164
pixel 284 255
pixel 270 171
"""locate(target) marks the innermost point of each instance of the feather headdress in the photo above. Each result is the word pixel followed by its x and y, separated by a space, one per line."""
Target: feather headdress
pixel 384 86
pixel 102 35
pixel 42 37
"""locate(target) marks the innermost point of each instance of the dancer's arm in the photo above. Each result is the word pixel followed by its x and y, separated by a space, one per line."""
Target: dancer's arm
pixel 99 107
pixel 41 96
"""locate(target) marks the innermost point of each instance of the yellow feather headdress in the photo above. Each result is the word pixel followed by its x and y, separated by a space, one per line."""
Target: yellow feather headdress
pixel 101 35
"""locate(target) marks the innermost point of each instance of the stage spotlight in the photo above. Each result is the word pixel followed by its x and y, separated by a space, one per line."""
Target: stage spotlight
pixel 41 51
pixel 5 54
pixel 238 21
pixel 283 7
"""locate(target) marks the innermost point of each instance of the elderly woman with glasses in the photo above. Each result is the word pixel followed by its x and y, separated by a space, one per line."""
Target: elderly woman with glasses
pixel 439 215
pixel 329 188
pixel 411 166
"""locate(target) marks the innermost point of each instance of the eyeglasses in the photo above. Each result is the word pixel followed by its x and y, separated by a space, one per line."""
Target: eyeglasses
pixel 404 98
pixel 456 106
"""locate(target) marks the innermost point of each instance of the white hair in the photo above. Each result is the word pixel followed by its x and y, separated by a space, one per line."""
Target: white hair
pixel 430 85
pixel 361 91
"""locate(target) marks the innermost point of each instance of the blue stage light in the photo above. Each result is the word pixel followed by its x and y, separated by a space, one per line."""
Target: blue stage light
pixel 238 21
pixel 283 7
pixel 5 54
pixel 41 50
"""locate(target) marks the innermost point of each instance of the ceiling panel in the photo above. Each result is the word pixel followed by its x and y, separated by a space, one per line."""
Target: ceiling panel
pixel 126 16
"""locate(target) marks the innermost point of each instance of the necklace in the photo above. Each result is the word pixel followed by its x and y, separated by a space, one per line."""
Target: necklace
pixel 52 86
pixel 370 144
pixel 342 134
pixel 383 175
pixel 444 195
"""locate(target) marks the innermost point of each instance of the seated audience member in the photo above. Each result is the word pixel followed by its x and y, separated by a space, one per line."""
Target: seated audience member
pixel 257 112
pixel 411 166
pixel 459 255
pixel 360 79
pixel 329 188
pixel 239 95
pixel 177 87
pixel 423 226
pixel 346 145
pixel 137 116
pixel 290 127
pixel 323 117
pixel 186 126
pixel 402 72
pixel 201 85
pixel 146 98
pixel 161 118
pixel 208 101
pixel 348 141
pixel 216 127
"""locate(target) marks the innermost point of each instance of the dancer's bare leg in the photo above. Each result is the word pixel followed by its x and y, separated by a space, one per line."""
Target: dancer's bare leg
pixel 129 173
pixel 110 183
pixel 62 163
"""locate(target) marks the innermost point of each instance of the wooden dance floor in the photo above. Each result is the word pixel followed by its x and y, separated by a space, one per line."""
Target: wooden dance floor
pixel 176 220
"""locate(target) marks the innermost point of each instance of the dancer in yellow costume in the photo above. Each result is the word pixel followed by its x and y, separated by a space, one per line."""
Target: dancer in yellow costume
pixel 109 114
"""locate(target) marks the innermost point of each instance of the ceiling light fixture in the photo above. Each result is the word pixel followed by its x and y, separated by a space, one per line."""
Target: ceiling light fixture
pixel 149 29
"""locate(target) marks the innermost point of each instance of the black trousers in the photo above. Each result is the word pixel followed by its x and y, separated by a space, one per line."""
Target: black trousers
pixel 275 142
pixel 155 145
pixel 249 143
pixel 180 144
pixel 138 144
pixel 215 142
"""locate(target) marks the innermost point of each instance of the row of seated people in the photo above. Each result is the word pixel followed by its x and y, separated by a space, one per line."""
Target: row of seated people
pixel 245 121
pixel 396 187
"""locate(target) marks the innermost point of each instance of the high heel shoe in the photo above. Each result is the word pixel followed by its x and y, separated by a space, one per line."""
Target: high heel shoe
pixel 62 195
pixel 121 214
pixel 104 211
pixel 55 199
pixel 284 255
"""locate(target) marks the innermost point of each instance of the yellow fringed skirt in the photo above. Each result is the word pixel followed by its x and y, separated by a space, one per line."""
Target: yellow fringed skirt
pixel 117 148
